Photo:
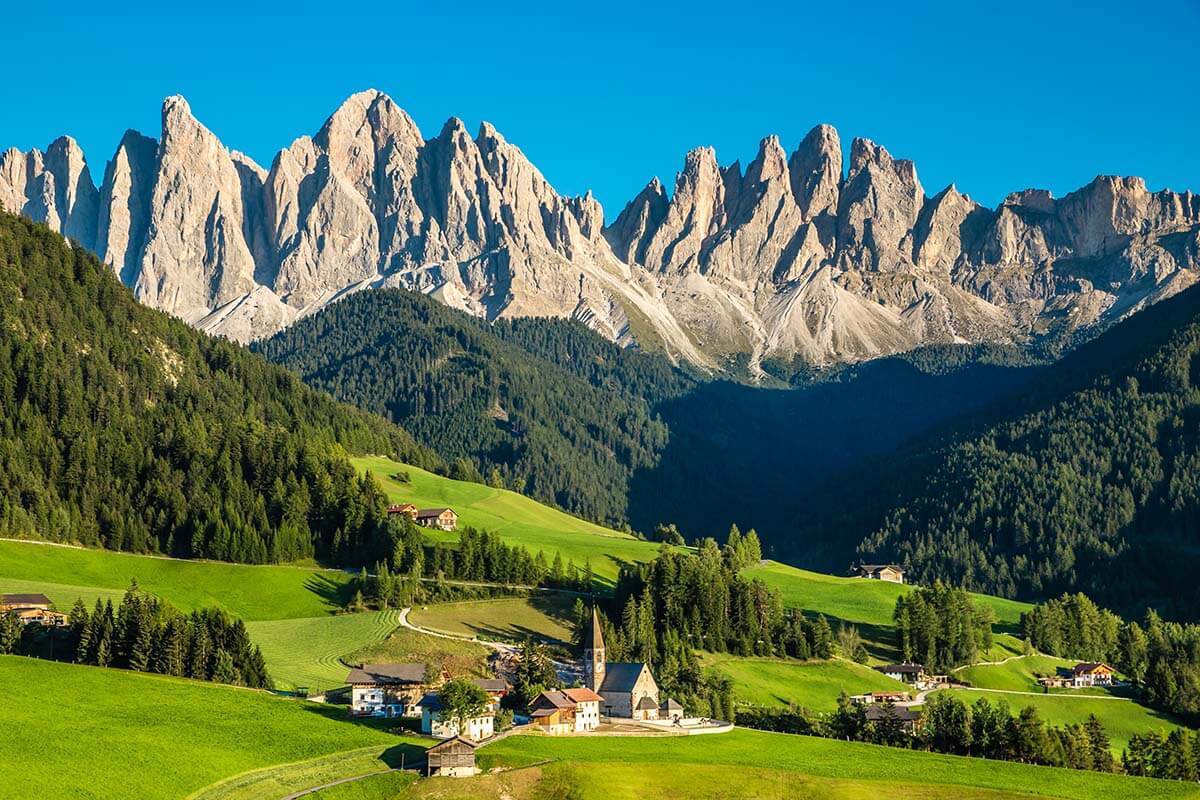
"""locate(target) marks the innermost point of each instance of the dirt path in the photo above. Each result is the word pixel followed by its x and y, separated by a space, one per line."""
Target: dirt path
pixel 339 782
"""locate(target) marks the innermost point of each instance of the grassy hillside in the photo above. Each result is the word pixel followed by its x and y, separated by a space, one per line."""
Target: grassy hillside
pixel 455 656
pixel 1019 674
pixel 813 684
pixel 518 519
pixel 313 652
pixel 105 733
pixel 543 615
pixel 824 758
pixel 249 592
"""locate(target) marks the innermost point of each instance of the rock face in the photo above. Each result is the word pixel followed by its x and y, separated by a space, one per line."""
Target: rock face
pixel 793 256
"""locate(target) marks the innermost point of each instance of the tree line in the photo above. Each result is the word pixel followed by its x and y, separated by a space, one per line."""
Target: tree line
pixel 942 627
pixel 1161 659
pixel 949 725
pixel 146 635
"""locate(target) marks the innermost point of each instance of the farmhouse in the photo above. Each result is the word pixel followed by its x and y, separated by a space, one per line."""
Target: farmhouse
pixel 434 723
pixel 1089 673
pixel 908 718
pixel 496 689
pixel 627 690
pixel 407 509
pixel 880 572
pixel 912 674
pixel 453 758
pixel 387 690
pixel 566 711
pixel 443 519
pixel 32 609
pixel 879 697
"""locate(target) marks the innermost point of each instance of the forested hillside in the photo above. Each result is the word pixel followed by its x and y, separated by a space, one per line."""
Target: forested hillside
pixel 620 436
pixel 123 427
pixel 1091 482
pixel 561 414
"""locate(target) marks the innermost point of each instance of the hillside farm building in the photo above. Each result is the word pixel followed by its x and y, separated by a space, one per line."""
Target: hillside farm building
pixel 880 572
pixel 912 674
pixel 906 717
pixel 32 609
pixel 453 758
pixel 442 519
pixel 387 690
pixel 407 509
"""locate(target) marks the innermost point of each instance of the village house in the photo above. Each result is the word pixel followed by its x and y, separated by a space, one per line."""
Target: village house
pixel 434 723
pixel 627 690
pixel 912 674
pixel 879 572
pixel 387 690
pixel 443 519
pixel 1084 674
pixel 407 509
pixel 32 609
pixel 453 758
pixel 907 717
pixel 496 689
pixel 566 711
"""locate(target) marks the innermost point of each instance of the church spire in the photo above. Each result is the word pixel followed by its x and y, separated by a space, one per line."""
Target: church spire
pixel 594 657
pixel 595 637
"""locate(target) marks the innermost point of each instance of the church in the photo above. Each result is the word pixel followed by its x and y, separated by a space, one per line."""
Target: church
pixel 627 690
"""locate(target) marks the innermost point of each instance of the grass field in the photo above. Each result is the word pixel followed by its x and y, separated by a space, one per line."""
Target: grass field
pixel 278 781
pixel 310 652
pixel 403 645
pixel 1019 674
pixel 105 733
pixel 250 592
pixel 543 615
pixel 515 517
pixel 878 769
pixel 1122 718
pixel 814 684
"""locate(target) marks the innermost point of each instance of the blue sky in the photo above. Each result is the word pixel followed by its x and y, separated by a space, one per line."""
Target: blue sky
pixel 992 96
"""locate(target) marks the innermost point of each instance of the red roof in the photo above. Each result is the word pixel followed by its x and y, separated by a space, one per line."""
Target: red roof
pixel 583 695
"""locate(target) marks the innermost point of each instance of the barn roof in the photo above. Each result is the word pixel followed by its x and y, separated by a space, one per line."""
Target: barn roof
pixel 491 684
pixel 424 513
pixel 387 674
pixel 24 600
pixel 451 744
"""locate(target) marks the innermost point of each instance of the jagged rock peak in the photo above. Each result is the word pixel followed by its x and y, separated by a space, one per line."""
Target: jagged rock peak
pixel 816 171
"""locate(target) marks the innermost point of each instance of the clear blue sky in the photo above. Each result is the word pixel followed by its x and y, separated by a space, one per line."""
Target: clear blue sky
pixel 992 96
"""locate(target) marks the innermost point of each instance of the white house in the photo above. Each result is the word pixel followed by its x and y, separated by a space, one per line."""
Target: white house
pixel 567 710
pixel 432 723
pixel 385 689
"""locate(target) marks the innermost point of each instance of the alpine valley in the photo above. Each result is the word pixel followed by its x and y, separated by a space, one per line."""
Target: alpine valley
pixel 794 257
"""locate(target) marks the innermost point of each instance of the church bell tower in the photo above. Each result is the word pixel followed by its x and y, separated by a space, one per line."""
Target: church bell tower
pixel 593 654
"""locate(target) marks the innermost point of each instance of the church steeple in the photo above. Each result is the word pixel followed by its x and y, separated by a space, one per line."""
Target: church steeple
pixel 594 654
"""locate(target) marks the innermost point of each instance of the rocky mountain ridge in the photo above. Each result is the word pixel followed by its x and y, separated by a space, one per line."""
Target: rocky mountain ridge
pixel 797 255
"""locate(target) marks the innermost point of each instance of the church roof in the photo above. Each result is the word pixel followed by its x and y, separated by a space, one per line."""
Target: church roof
pixel 620 677
pixel 594 640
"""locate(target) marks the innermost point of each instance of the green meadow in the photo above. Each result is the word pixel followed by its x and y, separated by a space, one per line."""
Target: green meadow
pixel 815 685
pixel 105 733
pixel 543 615
pixel 515 517
pixel 872 771
pixel 1019 674
pixel 251 592
pixel 313 652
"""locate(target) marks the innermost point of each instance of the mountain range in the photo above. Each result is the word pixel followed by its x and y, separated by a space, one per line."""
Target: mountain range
pixel 796 256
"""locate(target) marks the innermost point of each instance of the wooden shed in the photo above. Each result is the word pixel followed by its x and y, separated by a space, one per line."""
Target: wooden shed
pixel 453 758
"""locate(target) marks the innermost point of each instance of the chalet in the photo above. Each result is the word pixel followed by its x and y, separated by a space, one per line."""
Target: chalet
pixel 387 690
pixel 453 758
pixel 1090 673
pixel 566 711
pixel 24 602
pixel 628 690
pixel 32 609
pixel 912 674
pixel 407 509
pixel 892 573
pixel 907 717
pixel 443 519
pixel 433 722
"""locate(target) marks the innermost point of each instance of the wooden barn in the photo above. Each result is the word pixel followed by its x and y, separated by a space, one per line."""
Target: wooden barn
pixel 453 758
